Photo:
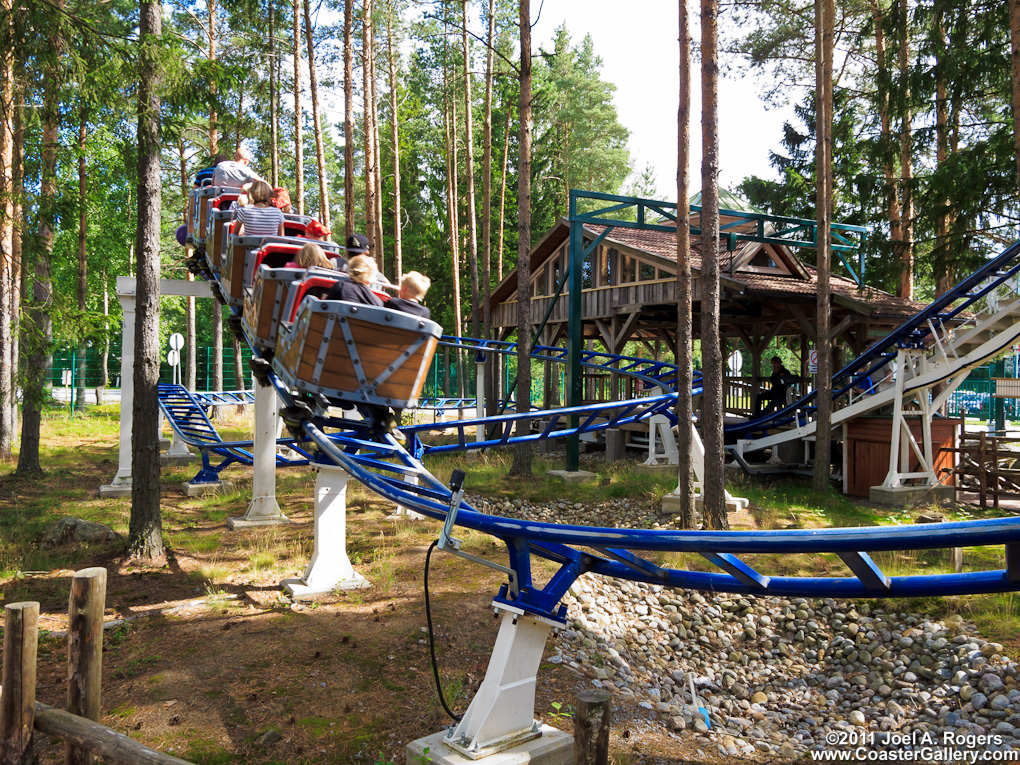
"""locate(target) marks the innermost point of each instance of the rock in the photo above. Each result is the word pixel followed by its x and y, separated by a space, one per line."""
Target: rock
pixel 759 698
pixel 894 709
pixel 990 683
pixel 979 701
pixel 700 727
pixel 268 738
pixel 857 718
pixel 787 751
pixel 76 531
pixel 988 650
pixel 677 722
pixel 967 692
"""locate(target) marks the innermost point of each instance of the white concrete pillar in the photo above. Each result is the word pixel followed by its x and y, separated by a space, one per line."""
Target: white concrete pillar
pixel 330 568
pixel 480 398
pixel 264 509
pixel 120 486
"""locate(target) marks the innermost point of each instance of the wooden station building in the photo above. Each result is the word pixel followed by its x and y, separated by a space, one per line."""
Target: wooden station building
pixel 630 295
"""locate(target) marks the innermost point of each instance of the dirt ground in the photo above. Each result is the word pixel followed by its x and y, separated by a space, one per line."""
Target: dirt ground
pixel 214 665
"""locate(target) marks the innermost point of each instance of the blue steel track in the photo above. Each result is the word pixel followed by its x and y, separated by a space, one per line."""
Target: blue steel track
pixel 383 465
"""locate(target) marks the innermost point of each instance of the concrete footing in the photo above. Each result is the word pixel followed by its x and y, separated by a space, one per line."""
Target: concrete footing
pixel 201 489
pixel 908 495
pixel 115 490
pixel 574 476
pixel 298 589
pixel 553 747
pixel 175 460
pixel 244 523
pixel 616 445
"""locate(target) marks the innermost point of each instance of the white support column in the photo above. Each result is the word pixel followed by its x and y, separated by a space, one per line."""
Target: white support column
pixel 330 568
pixel 480 398
pixel 120 486
pixel 502 713
pixel 264 509
pixel 126 290
pixel 406 513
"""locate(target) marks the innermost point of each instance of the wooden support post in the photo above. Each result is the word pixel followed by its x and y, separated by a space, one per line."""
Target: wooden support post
pixel 982 470
pixel 591 727
pixel 85 653
pixel 17 704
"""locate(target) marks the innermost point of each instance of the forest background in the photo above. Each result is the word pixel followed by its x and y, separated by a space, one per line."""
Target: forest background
pixel 922 149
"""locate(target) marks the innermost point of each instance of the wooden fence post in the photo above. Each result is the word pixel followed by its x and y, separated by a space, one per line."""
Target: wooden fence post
pixel 85 653
pixel 17 704
pixel 591 727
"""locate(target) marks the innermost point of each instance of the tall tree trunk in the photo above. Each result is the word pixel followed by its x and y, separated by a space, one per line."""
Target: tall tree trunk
pixel 38 331
pixel 274 112
pixel 104 358
pixel 367 35
pixel 348 119
pixel 238 369
pixel 376 146
pixel 490 360
pixel 214 139
pixel 299 157
pixel 1014 56
pixel 82 251
pixel 884 81
pixel 469 173
pixel 825 11
pixel 320 152
pixel 684 292
pixel 522 451
pixel 449 123
pixel 712 410
pixel 191 366
pixel 392 55
pixel 7 384
pixel 945 272
pixel 905 288
pixel 18 272
pixel 502 192
pixel 146 527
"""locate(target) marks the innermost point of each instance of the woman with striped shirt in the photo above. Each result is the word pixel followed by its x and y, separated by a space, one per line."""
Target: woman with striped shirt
pixel 261 217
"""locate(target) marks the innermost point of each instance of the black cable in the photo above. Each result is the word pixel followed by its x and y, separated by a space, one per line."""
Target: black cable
pixel 432 638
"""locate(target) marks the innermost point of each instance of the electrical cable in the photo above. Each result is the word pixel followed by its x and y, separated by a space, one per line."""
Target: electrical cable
pixel 432 637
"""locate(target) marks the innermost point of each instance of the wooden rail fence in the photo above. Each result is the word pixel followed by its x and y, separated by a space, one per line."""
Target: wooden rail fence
pixel 21 715
pixel 989 465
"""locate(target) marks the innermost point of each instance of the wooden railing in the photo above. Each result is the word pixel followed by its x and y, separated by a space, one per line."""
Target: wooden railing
pixel 989 467
pixel 21 715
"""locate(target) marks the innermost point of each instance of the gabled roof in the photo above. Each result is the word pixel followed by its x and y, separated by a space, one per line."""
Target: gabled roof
pixel 795 280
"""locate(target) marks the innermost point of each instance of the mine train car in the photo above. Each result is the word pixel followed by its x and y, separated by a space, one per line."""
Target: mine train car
pixel 347 352
pixel 275 297
pixel 246 253
pixel 356 353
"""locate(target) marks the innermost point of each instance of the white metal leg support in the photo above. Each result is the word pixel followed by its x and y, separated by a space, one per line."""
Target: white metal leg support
pixel 264 509
pixel 406 513
pixel 330 568
pixel 480 398
pixel 660 429
pixel 121 483
pixel 910 364
pixel 502 713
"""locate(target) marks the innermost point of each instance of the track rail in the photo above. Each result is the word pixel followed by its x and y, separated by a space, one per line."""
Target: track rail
pixel 387 468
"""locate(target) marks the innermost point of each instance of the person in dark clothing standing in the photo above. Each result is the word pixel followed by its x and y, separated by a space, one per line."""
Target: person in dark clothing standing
pixel 413 287
pixel 780 381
